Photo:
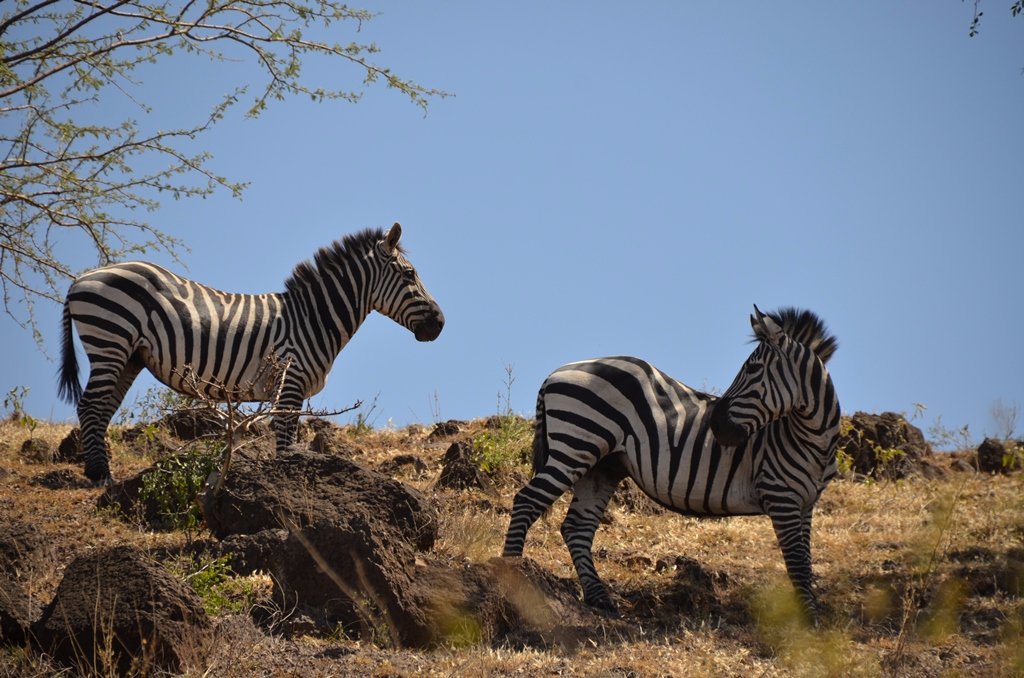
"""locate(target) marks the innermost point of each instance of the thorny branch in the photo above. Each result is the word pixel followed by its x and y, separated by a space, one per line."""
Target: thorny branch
pixel 227 406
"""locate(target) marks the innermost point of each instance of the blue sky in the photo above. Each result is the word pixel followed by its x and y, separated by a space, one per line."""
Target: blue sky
pixel 614 179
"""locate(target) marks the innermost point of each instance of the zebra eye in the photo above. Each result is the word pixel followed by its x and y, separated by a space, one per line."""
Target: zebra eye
pixel 409 274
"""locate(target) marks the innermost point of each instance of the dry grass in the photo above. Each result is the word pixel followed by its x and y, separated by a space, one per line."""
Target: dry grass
pixel 917 578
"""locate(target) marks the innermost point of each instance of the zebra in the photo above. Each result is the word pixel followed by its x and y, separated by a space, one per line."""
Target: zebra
pixel 200 341
pixel 766 446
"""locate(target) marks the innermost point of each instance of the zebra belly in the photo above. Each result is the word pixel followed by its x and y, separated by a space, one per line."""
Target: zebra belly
pixel 712 483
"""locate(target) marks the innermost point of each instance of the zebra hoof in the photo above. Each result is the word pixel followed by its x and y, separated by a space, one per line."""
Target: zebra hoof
pixel 604 606
pixel 105 481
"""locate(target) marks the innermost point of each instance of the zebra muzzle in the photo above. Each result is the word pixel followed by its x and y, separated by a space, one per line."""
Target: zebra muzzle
pixel 429 329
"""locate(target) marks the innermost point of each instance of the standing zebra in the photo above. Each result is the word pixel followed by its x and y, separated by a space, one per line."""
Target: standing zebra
pixel 766 446
pixel 135 314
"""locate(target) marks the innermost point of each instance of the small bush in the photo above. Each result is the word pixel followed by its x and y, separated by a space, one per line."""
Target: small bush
pixel 174 482
pixel 505 446
pixel 214 582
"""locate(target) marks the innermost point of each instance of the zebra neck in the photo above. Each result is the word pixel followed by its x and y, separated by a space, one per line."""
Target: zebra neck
pixel 817 425
pixel 326 318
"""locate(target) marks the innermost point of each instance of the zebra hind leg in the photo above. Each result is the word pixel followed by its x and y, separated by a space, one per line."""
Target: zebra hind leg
pixel 535 498
pixel 108 383
pixel 793 530
pixel 591 495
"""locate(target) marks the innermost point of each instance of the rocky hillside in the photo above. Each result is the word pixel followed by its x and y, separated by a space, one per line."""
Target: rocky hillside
pixel 373 552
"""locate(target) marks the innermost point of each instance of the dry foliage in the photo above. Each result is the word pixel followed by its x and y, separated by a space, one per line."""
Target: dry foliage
pixel 917 578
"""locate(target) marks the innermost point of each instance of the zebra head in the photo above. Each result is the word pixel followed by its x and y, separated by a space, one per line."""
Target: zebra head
pixel 775 379
pixel 401 295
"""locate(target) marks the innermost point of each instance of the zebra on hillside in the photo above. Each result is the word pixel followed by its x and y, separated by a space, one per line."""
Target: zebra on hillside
pixel 766 446
pixel 194 338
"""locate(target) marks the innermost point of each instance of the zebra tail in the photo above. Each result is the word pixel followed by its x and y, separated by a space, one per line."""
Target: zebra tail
pixel 540 435
pixel 69 389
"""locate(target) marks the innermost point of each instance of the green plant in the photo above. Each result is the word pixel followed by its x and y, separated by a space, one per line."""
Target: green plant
pixel 1014 456
pixel 153 405
pixel 844 462
pixel 363 423
pixel 173 483
pixel 508 444
pixel 15 402
pixel 214 582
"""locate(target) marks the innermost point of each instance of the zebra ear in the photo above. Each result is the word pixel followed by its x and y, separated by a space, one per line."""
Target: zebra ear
pixel 391 239
pixel 765 327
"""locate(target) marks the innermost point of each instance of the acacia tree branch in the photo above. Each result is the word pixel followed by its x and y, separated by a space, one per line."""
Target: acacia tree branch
pixel 62 179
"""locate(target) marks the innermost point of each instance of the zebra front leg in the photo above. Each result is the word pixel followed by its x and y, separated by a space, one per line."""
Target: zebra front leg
pixel 533 499
pixel 286 428
pixel 793 531
pixel 285 423
pixel 591 495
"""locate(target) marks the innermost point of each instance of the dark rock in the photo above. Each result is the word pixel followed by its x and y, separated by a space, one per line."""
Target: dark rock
pixel 64 479
pixel 446 429
pixel 963 466
pixel 884 445
pixel 36 450
pixel 392 466
pixel 460 470
pixel 301 488
pixel 358 575
pixel 119 611
pixel 19 609
pixel 24 550
pixel 193 424
pixel 251 553
pixel 325 441
pixel 70 449
pixel 996 456
pixel 125 497
pixel 24 553
pixel 504 602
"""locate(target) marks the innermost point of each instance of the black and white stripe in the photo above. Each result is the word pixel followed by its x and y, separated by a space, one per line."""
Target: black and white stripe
pixel 137 315
pixel 766 446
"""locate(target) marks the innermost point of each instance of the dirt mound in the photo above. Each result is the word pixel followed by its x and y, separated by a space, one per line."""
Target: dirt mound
pixel 23 554
pixel 352 554
pixel 118 610
pixel 886 445
pixel 301 488
pixel 460 469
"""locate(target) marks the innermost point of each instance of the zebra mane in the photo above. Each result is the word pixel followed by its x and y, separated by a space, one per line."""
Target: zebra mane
pixel 331 258
pixel 806 328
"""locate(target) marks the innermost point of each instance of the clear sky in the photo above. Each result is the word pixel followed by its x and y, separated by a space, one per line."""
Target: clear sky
pixel 630 179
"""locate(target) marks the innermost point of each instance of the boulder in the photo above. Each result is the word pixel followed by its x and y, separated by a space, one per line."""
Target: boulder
pixel 446 429
pixel 249 553
pixel 352 572
pixel 19 609
pixel 460 469
pixel 301 488
pixel 37 451
pixel 998 456
pixel 884 445
pixel 70 449
pixel 121 612
pixel 24 553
